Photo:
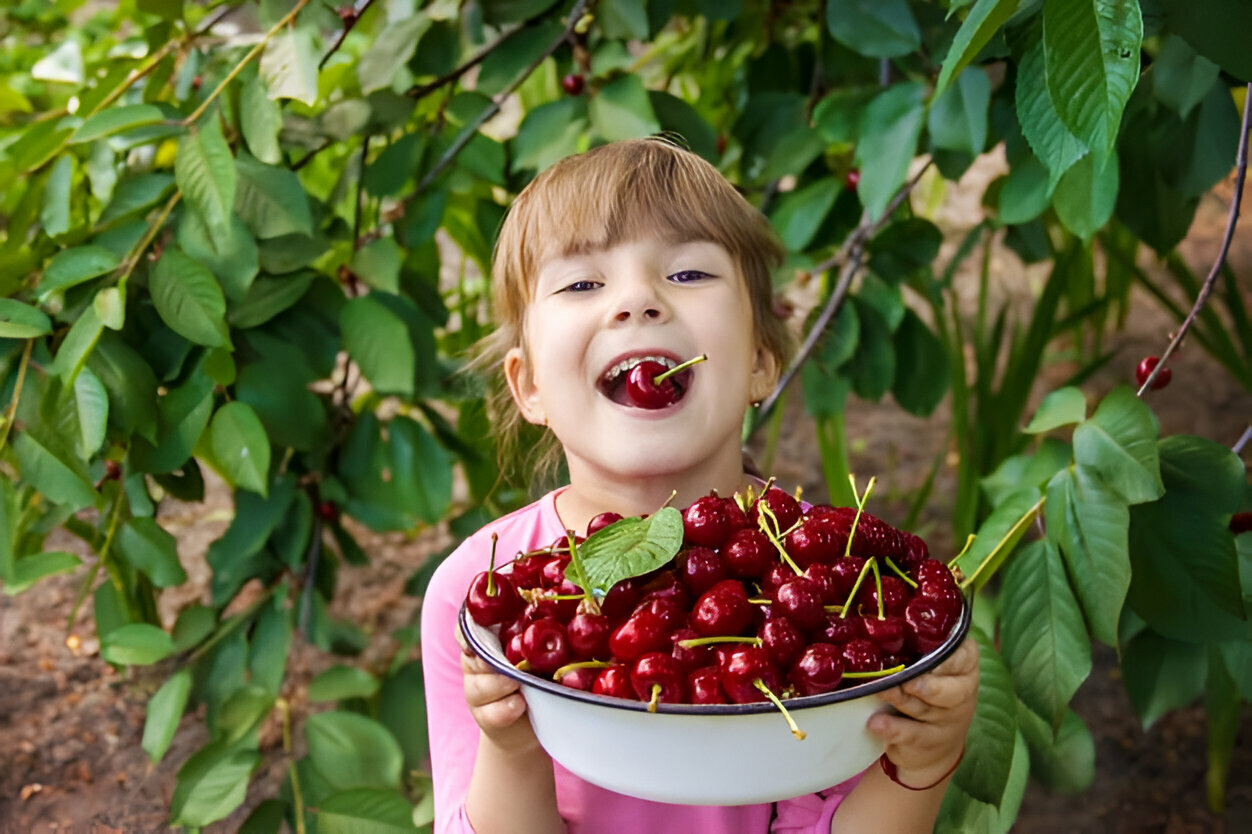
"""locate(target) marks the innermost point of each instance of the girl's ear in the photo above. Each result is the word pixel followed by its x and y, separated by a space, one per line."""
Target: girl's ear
pixel 521 381
pixel 765 373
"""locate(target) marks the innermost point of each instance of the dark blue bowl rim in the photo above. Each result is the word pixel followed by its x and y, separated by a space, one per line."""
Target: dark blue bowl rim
pixel 925 664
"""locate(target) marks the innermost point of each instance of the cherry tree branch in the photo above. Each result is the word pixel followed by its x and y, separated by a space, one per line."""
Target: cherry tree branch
pixel 1241 169
pixel 350 18
pixel 851 254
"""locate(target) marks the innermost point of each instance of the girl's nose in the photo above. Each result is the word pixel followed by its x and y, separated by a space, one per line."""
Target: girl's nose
pixel 640 302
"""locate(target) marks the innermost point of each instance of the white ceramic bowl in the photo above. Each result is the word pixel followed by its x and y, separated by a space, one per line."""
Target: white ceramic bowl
pixel 718 754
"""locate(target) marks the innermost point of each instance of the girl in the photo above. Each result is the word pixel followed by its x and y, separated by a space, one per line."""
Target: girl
pixel 637 250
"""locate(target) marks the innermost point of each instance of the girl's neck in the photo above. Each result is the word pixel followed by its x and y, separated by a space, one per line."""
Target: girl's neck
pixel 592 491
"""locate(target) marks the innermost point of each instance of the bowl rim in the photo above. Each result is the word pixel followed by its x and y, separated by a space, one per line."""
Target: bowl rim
pixel 869 687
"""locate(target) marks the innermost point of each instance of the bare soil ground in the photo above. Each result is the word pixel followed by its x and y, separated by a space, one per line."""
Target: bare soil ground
pixel 70 727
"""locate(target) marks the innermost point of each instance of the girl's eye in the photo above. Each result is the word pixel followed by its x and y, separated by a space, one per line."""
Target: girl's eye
pixel 581 286
pixel 688 276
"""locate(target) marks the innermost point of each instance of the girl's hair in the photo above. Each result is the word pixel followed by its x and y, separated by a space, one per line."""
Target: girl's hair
pixel 613 194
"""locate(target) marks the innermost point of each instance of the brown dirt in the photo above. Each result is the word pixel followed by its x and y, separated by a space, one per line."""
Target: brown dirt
pixel 71 726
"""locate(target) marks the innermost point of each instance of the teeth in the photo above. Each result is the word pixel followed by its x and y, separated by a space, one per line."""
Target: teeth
pixel 626 364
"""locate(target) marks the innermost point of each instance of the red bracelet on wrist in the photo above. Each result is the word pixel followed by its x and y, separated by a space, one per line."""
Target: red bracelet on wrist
pixel 889 768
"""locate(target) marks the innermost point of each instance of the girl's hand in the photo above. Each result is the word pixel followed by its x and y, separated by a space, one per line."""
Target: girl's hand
pixel 495 702
pixel 926 740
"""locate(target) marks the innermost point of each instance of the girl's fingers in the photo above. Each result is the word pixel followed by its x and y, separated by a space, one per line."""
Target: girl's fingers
pixel 963 661
pixel 500 713
pixel 483 689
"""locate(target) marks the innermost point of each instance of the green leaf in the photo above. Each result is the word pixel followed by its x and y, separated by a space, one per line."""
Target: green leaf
pixel 1042 633
pixel 134 195
pixel 116 119
pixel 205 171
pixel 550 132
pixel 1088 522
pixel 110 307
pixel 390 51
pixel 872 368
pixel 958 118
pixel 679 117
pixel 1186 581
pixel 194 624
pixel 73 266
pixel 1053 143
pixel 130 382
pixel 136 644
pixel 352 751
pixel 514 11
pixel 233 259
pixel 890 127
pixel 1217 33
pixel 799 214
pixel 377 339
pixel 53 471
pixel 984 772
pixel 1091 54
pixel 961 813
pixel 21 321
pixel 55 213
pixel 503 64
pixel 271 645
pixel 184 413
pixel 271 200
pixel 289 65
pixel 242 711
pixel 342 682
pixel 1086 195
pixel 404 693
pixel 837 117
pixel 188 299
pixel 91 407
pixel 1181 77
pixel 211 784
pixel 1025 192
pixel 1059 408
pixel 378 264
pixel 151 550
pixel 1034 470
pixel 1064 759
pixel 629 547
pixel 30 569
pixel 240 446
pixel 1119 444
pixel 922 372
pixel 623 20
pixel 63 65
pixel 365 811
pixel 1162 674
pixel 875 28
pixel 999 533
pixel 1223 711
pixel 277 390
pixel 260 120
pixel 269 296
pixel 266 818
pixel 979 26
pixel 387 174
pixel 165 710
pixel 622 110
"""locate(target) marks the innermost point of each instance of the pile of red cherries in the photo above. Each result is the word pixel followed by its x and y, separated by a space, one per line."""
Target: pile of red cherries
pixel 763 602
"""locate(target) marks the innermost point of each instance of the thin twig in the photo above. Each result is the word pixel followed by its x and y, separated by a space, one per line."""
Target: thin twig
pixel 470 130
pixel 1243 441
pixel 360 194
pixel 247 59
pixel 474 60
pixel 349 23
pixel 11 413
pixel 851 253
pixel 1241 169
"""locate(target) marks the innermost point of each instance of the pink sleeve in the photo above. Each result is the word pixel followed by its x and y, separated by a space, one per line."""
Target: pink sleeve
pixel 812 814
pixel 453 733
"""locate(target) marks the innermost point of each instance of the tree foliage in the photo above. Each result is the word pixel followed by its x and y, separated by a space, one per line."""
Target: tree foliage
pixel 222 245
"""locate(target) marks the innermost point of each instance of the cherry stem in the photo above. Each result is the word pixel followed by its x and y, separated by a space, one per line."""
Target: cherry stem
pixel 969 542
pixel 900 573
pixel 580 577
pixel 522 665
pixel 582 664
pixel 775 538
pixel 1014 533
pixel 860 577
pixel 491 569
pixel 878 586
pixel 860 505
pixel 795 730
pixel 656 697
pixel 659 378
pixel 877 673
pixel 693 642
pixel 836 609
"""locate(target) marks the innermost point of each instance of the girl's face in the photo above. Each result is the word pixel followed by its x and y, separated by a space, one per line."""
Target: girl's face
pixel 592 312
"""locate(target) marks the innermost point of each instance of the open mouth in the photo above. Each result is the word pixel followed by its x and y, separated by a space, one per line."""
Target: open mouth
pixel 612 382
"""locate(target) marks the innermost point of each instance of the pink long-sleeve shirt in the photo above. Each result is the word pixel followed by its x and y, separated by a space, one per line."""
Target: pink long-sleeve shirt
pixel 586 808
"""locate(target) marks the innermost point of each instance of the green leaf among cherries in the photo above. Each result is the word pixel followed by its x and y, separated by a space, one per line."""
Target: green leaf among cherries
pixel 626 548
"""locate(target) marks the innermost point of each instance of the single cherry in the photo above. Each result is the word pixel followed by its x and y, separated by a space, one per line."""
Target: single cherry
pixel 888 633
pixel 721 611
pixel 689 657
pixel 852 180
pixel 700 569
pixel 800 600
pixel 583 678
pixel 545 646
pixel 620 600
pixel 928 621
pixel 705 686
pixel 614 681
pixel 651 385
pixel 706 523
pixel 658 677
pixel 784 508
pixel 573 84
pixel 492 599
pixel 644 632
pixel 588 635
pixel 327 511
pixel 862 655
pixel 600 522
pixel 748 554
pixel 782 640
pixel 1144 370
pixel 818 669
pixel 744 666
